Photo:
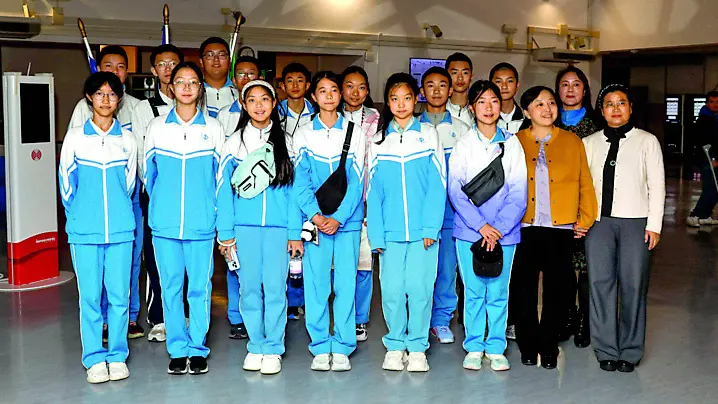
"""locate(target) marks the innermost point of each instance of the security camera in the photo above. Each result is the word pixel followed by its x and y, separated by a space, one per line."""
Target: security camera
pixel 434 29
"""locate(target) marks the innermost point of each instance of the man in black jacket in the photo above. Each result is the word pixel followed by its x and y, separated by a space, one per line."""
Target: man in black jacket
pixel 706 134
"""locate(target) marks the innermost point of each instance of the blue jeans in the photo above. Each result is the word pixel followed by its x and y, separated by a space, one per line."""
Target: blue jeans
pixel 709 194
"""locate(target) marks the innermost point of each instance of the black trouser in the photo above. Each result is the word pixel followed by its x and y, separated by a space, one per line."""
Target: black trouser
pixel 155 314
pixel 548 251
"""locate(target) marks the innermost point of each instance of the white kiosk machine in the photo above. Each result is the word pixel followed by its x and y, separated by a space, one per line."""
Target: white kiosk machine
pixel 31 178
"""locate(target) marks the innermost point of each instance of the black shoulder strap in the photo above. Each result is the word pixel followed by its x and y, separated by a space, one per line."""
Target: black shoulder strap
pixel 501 145
pixel 153 105
pixel 347 144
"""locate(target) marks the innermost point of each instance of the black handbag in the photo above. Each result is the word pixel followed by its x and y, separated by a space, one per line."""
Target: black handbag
pixel 487 264
pixel 331 194
pixel 486 183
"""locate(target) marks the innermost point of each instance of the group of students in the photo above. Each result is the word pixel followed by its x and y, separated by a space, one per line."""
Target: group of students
pixel 275 181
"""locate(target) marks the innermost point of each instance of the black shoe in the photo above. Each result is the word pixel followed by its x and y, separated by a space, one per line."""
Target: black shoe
pixel 293 313
pixel 608 366
pixel 548 362
pixel 237 331
pixel 178 366
pixel 134 330
pixel 198 365
pixel 625 367
pixel 582 338
pixel 529 360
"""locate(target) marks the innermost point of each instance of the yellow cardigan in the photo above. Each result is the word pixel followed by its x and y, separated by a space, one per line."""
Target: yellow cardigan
pixel 573 198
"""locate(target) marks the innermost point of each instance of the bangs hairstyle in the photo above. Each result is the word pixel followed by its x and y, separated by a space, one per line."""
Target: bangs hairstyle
pixel 532 93
pixel 99 79
pixel 394 81
pixel 610 89
pixel 212 40
pixel 295 67
pixel 191 65
pixel 282 162
pixel 586 101
pixel 503 66
pixel 247 59
pixel 112 50
pixel 480 87
pixel 368 102
pixel 436 70
pixel 165 49
pixel 458 57
pixel 326 74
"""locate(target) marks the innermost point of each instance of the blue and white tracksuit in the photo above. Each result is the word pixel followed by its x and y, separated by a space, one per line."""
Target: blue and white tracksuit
pixel 80 115
pixel 318 153
pixel 97 176
pixel 405 205
pixel 487 298
pixel 445 299
pixel 291 123
pixel 216 99
pixel 228 117
pixel 261 227
pixel 181 165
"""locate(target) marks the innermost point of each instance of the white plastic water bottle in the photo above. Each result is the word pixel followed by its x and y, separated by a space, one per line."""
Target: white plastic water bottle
pixel 295 271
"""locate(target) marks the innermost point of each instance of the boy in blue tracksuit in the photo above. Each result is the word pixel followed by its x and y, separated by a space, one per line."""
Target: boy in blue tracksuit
pixel 263 228
pixel 436 88
pixel 405 212
pixel 319 146
pixel 97 175
pixel 182 154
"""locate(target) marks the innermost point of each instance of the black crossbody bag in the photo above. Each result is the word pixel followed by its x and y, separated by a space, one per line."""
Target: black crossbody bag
pixel 331 194
pixel 486 183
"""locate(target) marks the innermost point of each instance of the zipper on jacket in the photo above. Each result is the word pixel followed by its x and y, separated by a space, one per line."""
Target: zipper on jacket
pixel 104 192
pixel 406 205
pixel 264 208
pixel 181 230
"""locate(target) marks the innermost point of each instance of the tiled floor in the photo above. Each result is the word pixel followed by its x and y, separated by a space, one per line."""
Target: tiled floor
pixel 40 351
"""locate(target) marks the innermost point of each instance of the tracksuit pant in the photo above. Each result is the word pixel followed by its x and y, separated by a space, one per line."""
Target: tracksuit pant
pixel 233 314
pixel 618 269
pixel 263 270
pixel 407 275
pixel 486 299
pixel 101 267
pixel 445 298
pixel 295 295
pixel 343 249
pixel 195 258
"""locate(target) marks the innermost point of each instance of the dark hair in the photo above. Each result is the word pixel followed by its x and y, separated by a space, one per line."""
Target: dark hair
pixel 712 94
pixel 166 48
pixel 368 102
pixel 480 87
pixel 503 66
pixel 435 70
pixel 198 72
pixel 532 93
pixel 112 50
pixel 609 89
pixel 458 57
pixel 99 79
pixel 394 81
pixel 295 67
pixel 247 59
pixel 282 162
pixel 586 101
pixel 212 40
pixel 325 74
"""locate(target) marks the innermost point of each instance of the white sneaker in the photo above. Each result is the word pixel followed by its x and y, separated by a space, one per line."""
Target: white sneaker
pixel 394 360
pixel 498 362
pixel 709 221
pixel 321 362
pixel 97 373
pixel 253 362
pixel 158 333
pixel 472 361
pixel 118 371
pixel 693 221
pixel 271 364
pixel 417 362
pixel 340 363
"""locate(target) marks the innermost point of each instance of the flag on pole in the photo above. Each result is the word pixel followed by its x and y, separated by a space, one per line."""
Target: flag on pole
pixel 166 26
pixel 90 57
pixel 233 42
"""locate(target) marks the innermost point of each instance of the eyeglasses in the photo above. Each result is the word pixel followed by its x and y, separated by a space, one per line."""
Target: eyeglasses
pixel 99 96
pixel 243 75
pixel 611 104
pixel 170 64
pixel 222 55
pixel 191 83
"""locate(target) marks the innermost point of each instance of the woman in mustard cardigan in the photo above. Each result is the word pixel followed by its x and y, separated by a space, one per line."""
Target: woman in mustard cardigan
pixel 561 206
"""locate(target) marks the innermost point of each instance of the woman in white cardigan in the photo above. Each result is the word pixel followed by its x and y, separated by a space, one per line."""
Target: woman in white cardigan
pixel 626 165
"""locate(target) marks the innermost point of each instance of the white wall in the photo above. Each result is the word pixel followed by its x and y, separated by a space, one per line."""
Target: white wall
pixel 637 24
